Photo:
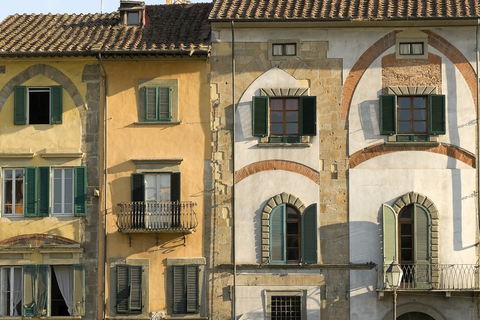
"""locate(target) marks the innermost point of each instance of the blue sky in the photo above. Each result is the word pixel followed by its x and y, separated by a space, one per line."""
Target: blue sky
pixel 9 7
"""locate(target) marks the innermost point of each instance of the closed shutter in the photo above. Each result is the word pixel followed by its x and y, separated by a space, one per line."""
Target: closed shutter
pixel 151 110
pixel 260 116
pixel 192 288
pixel 123 289
pixel 80 193
pixel 43 272
pixel 175 186
pixel 309 234
pixel 422 248
pixel 308 107
pixel 78 290
pixel 164 103
pixel 179 290
pixel 437 117
pixel 389 236
pixel 30 191
pixel 43 191
pixel 277 234
pixel 135 303
pixel 56 101
pixel 388 108
pixel 29 272
pixel 20 105
pixel 138 187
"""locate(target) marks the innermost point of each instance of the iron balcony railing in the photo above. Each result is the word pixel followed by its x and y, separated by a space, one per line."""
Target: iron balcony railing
pixel 150 216
pixel 447 277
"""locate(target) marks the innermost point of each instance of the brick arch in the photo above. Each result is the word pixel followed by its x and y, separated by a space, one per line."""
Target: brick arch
pixel 47 71
pixel 268 165
pixel 387 41
pixel 35 240
pixel 382 148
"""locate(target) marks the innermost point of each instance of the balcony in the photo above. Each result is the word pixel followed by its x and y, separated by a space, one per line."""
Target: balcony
pixel 157 217
pixel 437 277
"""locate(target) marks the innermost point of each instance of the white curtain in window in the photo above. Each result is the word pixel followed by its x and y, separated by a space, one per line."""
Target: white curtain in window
pixel 64 277
pixel 17 289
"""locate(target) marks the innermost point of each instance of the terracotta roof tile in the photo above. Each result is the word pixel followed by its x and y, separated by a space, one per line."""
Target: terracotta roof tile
pixel 343 9
pixel 176 28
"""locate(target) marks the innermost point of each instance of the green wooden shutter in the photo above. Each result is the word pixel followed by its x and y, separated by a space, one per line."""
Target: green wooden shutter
pixel 30 196
pixel 20 105
pixel 309 234
pixel 260 116
pixel 422 248
pixel 164 103
pixel 135 301
pixel 43 275
pixel 277 235
pixel 80 192
pixel 78 290
pixel 389 236
pixel 437 116
pixel 29 272
pixel 151 107
pixel 191 273
pixel 43 191
pixel 388 111
pixel 138 187
pixel 308 107
pixel 56 102
pixel 123 289
pixel 179 287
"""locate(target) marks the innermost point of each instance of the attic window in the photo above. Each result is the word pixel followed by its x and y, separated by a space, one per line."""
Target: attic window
pixel 133 18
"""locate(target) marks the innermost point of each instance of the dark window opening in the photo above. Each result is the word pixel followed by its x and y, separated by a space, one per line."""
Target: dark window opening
pixel 406 242
pixel 58 305
pixel 286 308
pixel 39 105
pixel 293 235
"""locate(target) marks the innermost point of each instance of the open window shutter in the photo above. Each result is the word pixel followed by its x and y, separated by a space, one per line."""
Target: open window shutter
pixel 78 290
pixel 192 288
pixel 43 191
pixel 309 234
pixel 175 186
pixel 388 122
pixel 437 114
pixel 422 248
pixel 56 102
pixel 30 192
pixel 389 236
pixel 260 116
pixel 123 288
pixel 138 187
pixel 277 234
pixel 43 271
pixel 29 272
pixel 308 107
pixel 135 302
pixel 179 288
pixel 20 105
pixel 80 193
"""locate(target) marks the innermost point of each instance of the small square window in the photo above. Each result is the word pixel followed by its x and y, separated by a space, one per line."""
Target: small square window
pixel 285 305
pixel 411 48
pixel 284 49
pixel 133 18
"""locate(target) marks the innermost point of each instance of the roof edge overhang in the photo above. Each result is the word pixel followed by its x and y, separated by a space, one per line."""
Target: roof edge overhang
pixel 106 54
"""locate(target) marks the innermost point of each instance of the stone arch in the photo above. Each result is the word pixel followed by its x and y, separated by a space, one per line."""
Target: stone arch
pixel 416 307
pixel 282 198
pixel 36 240
pixel 268 165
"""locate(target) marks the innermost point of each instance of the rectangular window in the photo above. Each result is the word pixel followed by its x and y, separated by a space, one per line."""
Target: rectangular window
pixel 157 187
pixel 185 289
pixel 13 192
pixel 411 48
pixel 158 103
pixel 38 105
pixel 412 115
pixel 62 192
pixel 284 116
pixel 285 305
pixel 129 289
pixel 284 49
pixel 133 18
pixel 11 291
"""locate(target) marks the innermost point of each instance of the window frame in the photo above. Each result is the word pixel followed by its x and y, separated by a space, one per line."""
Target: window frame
pixel 283 50
pixel 282 42
pixel 62 188
pixel 11 293
pixel 410 48
pixel 268 294
pixel 4 196
pixel 22 104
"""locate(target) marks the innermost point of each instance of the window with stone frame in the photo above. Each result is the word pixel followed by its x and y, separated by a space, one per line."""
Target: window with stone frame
pixel 38 105
pixel 285 305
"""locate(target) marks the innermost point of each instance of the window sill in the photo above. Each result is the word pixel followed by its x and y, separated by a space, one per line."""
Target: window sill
pixel 403 141
pixel 413 144
pixel 288 145
pixel 156 123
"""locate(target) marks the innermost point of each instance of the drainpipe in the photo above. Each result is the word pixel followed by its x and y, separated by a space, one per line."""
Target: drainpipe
pixel 105 155
pixel 477 58
pixel 233 184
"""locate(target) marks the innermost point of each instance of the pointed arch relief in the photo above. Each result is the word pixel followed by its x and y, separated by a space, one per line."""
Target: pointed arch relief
pixel 36 240
pixel 416 307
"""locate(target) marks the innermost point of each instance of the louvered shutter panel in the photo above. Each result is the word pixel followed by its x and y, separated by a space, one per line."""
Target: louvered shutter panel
pixel 388 110
pixel 56 102
pixel 192 288
pixel 309 234
pixel 179 290
pixel 20 105
pixel 43 191
pixel 389 236
pixel 308 107
pixel 29 272
pixel 151 110
pixel 277 234
pixel 123 289
pixel 437 114
pixel 138 187
pixel 260 116
pixel 136 288
pixel 30 192
pixel 422 248
pixel 43 274
pixel 164 103
pixel 80 192
pixel 78 290
pixel 175 186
